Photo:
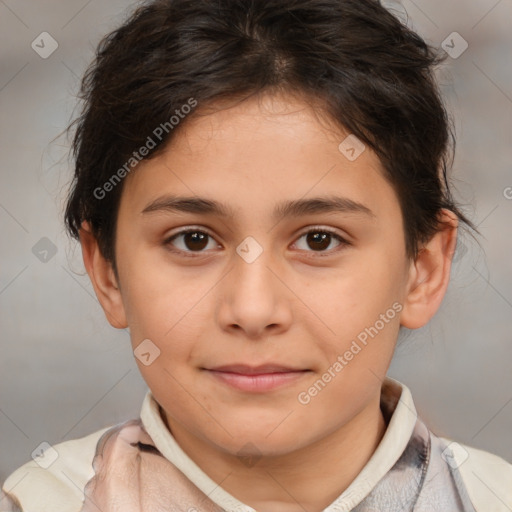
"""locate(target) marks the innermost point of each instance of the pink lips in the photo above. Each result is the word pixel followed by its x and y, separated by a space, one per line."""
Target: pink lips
pixel 256 378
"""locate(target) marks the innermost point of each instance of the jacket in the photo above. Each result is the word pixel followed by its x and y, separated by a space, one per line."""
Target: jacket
pixel 138 466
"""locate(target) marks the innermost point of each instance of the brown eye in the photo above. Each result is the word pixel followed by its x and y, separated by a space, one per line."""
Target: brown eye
pixel 191 240
pixel 319 240
pixel 195 241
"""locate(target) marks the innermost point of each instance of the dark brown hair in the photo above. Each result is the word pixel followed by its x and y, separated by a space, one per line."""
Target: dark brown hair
pixel 373 76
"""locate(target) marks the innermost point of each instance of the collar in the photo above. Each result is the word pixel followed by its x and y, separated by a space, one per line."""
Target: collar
pixel 398 409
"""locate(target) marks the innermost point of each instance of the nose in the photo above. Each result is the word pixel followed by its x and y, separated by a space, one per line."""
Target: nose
pixel 254 299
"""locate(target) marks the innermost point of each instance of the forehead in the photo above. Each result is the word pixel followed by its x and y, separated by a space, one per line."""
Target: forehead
pixel 257 153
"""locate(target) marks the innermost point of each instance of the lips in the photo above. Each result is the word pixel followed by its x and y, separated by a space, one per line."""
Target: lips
pixel 256 379
pixel 243 369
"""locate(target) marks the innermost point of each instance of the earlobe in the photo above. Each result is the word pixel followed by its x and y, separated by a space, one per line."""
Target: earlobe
pixel 429 274
pixel 103 278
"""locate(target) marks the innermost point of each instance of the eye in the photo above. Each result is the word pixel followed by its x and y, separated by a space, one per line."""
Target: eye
pixel 191 240
pixel 319 239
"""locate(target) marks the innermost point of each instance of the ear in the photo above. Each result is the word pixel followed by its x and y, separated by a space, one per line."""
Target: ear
pixel 103 278
pixel 429 274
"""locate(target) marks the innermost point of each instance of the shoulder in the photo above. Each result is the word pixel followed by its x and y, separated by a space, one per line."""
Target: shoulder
pixel 55 481
pixel 487 477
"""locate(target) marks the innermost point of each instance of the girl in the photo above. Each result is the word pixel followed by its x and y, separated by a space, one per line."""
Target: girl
pixel 261 197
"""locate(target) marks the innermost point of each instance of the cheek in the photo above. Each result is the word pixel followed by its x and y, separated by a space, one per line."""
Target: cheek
pixel 353 298
pixel 360 313
pixel 157 296
pixel 177 325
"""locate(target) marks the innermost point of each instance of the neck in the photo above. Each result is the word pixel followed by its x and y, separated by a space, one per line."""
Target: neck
pixel 307 479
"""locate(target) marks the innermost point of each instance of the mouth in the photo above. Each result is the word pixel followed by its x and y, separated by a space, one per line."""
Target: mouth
pixel 256 379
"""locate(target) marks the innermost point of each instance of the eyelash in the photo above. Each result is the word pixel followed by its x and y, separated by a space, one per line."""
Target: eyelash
pixel 314 229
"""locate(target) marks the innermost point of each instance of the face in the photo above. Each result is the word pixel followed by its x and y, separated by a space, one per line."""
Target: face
pixel 276 314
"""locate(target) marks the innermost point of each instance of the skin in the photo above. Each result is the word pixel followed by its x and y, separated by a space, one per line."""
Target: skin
pixel 290 306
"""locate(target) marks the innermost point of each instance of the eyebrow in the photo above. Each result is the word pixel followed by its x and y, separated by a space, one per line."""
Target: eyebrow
pixel 292 208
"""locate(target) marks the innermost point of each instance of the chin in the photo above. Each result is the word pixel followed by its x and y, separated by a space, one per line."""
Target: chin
pixel 259 444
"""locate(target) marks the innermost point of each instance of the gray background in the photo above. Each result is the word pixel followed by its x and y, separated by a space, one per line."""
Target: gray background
pixel 66 373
